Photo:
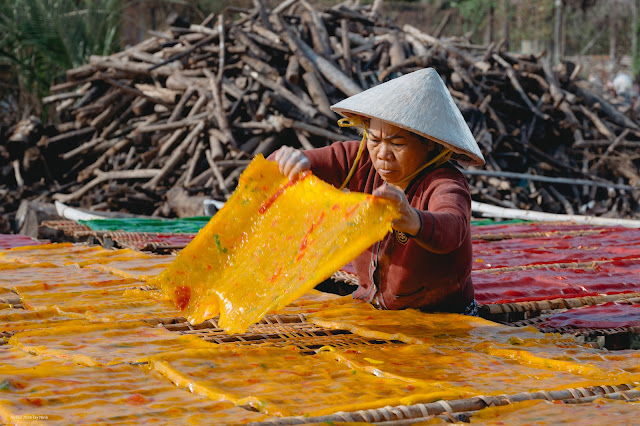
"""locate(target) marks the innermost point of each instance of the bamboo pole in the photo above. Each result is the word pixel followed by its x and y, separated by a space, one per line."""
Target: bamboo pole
pixel 549 179
pixel 488 210
pixel 389 414
pixel 553 304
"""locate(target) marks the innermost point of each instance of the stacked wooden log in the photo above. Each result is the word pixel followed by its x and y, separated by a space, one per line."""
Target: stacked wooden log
pixel 184 112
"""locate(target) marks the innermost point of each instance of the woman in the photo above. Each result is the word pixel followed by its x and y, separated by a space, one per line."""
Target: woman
pixel 411 128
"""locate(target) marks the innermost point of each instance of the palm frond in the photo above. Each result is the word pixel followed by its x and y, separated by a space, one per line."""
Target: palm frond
pixel 43 38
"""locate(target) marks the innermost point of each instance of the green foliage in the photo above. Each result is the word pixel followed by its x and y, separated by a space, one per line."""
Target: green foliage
pixel 535 23
pixel 40 39
pixel 474 10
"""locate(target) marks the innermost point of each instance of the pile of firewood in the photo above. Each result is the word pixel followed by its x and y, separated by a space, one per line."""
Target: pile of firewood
pixel 180 115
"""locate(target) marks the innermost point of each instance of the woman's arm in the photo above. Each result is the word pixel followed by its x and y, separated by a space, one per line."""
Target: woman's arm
pixel 442 225
pixel 330 163
pixel 409 221
pixel 446 221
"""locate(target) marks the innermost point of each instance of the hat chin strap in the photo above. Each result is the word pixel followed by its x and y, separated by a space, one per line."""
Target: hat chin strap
pixel 438 160
pixel 356 121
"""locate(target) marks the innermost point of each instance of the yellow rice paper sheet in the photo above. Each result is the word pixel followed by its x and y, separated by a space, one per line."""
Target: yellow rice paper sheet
pixel 284 382
pixel 314 301
pixel 64 279
pixel 108 304
pixel 61 254
pixel 94 344
pixel 598 412
pixel 468 351
pixel 22 319
pixel 415 327
pixel 273 241
pixel 143 269
pixel 14 358
pixel 63 394
pixel 473 371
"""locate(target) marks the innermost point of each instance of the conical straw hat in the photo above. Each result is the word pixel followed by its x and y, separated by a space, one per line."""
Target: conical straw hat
pixel 418 102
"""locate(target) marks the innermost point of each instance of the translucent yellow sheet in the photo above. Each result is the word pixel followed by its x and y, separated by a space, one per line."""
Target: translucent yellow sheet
pixel 57 253
pixel 12 273
pixel 415 327
pixel 596 413
pixel 314 301
pixel 64 279
pixel 281 381
pixel 472 352
pixel 474 371
pixel 116 304
pixel 61 254
pixel 15 358
pixel 143 269
pixel 56 394
pixel 614 362
pixel 273 240
pixel 79 255
pixel 104 343
pixel 21 319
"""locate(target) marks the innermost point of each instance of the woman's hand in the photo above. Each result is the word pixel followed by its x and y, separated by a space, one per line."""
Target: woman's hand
pixel 291 161
pixel 409 221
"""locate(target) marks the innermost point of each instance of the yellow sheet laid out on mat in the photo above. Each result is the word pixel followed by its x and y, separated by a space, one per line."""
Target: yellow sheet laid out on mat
pixel 272 241
pixel 284 382
pixel 56 393
pixel 595 413
pixel 94 344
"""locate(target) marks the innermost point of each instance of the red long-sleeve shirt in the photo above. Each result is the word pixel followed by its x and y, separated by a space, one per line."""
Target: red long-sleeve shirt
pixel 435 276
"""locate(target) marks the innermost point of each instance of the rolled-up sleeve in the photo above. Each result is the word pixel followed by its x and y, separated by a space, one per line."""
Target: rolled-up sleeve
pixel 446 218
pixel 331 163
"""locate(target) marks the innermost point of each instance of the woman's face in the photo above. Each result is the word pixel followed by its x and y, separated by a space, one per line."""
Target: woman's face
pixel 395 152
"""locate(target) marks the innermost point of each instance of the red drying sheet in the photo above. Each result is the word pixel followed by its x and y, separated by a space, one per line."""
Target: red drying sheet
pixel 620 276
pixel 611 243
pixel 607 315
pixel 521 228
pixel 8 241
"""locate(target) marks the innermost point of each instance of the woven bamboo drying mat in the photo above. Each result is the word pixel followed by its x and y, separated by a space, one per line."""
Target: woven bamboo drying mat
pixel 346 277
pixel 534 308
pixel 538 323
pixel 69 230
pixel 612 338
pixel 592 264
pixel 275 330
pixel 459 409
pixel 146 241
pixel 479 236
pixel 65 230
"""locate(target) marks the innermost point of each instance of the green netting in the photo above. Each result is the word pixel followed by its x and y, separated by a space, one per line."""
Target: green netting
pixel 192 225
pixel 482 222
pixel 188 225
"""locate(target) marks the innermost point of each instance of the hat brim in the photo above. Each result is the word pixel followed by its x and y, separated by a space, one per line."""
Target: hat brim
pixel 461 155
pixel 418 102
